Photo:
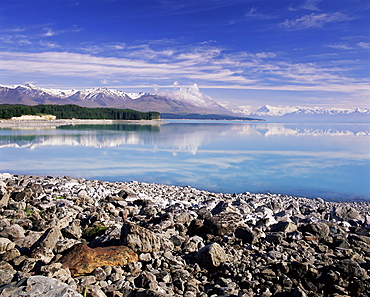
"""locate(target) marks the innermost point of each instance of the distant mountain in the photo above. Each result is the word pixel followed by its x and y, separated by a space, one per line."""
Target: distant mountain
pixel 185 101
pixel 284 113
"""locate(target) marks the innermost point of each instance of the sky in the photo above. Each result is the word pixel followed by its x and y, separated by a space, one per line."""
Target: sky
pixel 242 53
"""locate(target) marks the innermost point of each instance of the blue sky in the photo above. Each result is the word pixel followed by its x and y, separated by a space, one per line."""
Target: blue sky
pixel 241 53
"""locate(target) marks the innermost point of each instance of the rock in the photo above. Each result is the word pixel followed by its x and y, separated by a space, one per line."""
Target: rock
pixel 48 239
pixel 246 234
pixel 36 189
pixel 72 231
pixel 147 293
pixel 4 200
pixel 42 253
pixel 83 260
pixel 10 255
pixel 346 213
pixel 321 230
pixel 349 268
pixel 110 237
pixel 6 276
pixel 297 270
pixel 134 267
pixel 13 232
pixel 146 280
pixel 6 245
pixel 125 192
pixel 223 223
pixel 56 270
pixel 22 195
pixel 143 240
pixel 35 286
pixel 29 240
pixel 95 291
pixel 211 256
pixel 285 227
pixel 193 244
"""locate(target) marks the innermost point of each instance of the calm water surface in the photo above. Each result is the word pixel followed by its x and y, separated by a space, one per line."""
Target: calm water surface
pixel 331 161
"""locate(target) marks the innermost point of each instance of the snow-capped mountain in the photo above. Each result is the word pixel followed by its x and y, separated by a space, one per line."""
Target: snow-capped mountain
pixel 268 110
pixel 182 100
pixel 284 113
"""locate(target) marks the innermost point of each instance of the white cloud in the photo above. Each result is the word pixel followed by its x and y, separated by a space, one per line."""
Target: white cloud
pixel 313 21
pixel 340 45
pixel 208 66
pixel 254 13
pixel 311 4
pixel 49 32
pixel 364 44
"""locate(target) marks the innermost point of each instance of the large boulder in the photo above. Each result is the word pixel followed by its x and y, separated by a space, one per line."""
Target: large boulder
pixel 82 259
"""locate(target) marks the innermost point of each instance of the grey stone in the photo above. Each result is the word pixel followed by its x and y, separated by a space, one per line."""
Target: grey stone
pixel 346 213
pixel 223 223
pixel 211 256
pixel 4 200
pixel 72 231
pixel 13 232
pixel 143 240
pixel 35 286
pixel 6 276
pixel 246 234
pixel 146 280
pixel 22 195
pixel 321 230
pixel 6 245
pixel 48 239
pixel 349 268
pixel 285 227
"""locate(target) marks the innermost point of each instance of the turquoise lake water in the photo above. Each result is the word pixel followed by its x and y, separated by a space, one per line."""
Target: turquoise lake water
pixel 331 161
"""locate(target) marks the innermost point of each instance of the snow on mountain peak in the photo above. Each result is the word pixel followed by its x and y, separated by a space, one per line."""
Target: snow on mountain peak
pixel 190 94
pixel 268 110
pixel 274 110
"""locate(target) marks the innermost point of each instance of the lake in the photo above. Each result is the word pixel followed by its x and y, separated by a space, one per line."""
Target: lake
pixel 331 161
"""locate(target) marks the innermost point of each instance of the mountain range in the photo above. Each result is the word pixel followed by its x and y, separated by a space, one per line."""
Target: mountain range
pixel 181 101
pixel 184 101
pixel 288 113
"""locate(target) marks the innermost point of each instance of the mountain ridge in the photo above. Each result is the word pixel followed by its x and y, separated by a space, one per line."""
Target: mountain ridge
pixel 189 100
pixel 183 100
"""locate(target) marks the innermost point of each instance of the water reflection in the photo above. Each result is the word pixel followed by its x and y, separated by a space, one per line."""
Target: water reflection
pixel 179 136
pixel 330 161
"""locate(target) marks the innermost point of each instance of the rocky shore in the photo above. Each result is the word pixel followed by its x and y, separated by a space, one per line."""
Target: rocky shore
pixel 63 122
pixel 61 236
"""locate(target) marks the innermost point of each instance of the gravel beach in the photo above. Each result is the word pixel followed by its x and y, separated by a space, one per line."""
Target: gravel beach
pixel 63 236
pixel 63 122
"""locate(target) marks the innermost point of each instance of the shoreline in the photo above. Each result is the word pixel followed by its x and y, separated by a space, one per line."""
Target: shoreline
pixel 97 238
pixel 63 122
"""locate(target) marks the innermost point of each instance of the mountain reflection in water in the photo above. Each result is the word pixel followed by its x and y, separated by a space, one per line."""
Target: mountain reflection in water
pixel 327 160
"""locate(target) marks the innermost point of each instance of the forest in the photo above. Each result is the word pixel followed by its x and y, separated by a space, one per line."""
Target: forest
pixel 70 111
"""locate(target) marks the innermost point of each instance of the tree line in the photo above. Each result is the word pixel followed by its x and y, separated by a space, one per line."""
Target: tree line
pixel 70 111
